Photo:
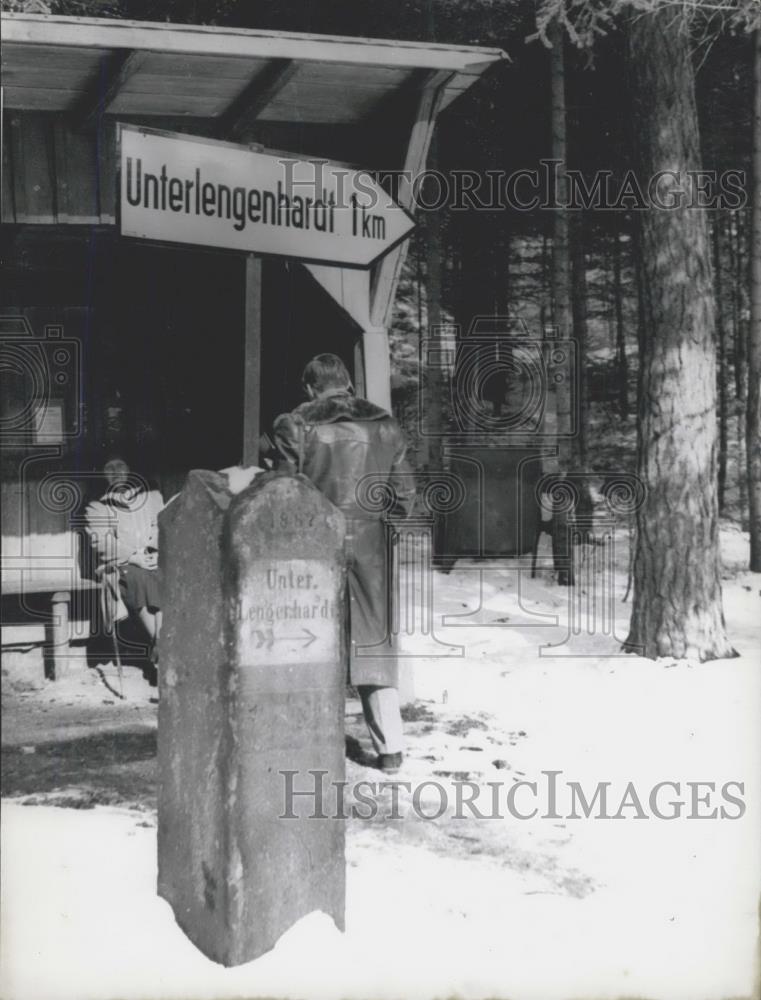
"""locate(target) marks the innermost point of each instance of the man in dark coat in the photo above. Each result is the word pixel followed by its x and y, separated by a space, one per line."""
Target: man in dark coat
pixel 337 439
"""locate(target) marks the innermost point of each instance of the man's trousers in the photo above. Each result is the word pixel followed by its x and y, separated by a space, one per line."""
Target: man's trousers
pixel 383 717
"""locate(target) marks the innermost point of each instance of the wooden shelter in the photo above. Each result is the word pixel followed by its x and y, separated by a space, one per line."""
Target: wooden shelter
pixel 188 354
pixel 66 81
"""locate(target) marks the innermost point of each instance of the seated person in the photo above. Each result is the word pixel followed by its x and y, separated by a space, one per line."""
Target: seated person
pixel 123 529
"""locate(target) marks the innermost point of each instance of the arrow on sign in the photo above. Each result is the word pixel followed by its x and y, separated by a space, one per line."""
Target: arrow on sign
pixel 186 189
pixel 311 637
pixel 266 637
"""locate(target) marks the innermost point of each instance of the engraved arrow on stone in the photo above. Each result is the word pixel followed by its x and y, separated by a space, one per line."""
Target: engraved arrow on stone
pixel 265 636
pixel 311 637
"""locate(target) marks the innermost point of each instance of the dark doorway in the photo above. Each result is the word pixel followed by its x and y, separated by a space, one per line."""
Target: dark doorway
pixel 175 357
pixel 160 344
pixel 299 321
pixel 161 337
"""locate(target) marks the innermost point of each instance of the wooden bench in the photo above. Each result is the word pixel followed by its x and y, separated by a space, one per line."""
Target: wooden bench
pixel 60 584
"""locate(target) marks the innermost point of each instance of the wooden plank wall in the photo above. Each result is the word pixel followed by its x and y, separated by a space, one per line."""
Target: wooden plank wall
pixel 52 174
pixel 26 508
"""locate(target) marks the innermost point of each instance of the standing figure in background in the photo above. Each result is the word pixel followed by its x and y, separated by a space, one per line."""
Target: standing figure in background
pixel 123 529
pixel 335 439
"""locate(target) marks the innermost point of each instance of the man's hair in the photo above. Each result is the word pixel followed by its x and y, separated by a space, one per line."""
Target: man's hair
pixel 115 458
pixel 326 371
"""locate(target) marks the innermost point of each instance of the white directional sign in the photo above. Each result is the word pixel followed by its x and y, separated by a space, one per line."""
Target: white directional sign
pixel 285 613
pixel 184 189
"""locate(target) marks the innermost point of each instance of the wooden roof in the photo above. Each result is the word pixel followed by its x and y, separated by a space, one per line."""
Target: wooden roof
pixel 87 67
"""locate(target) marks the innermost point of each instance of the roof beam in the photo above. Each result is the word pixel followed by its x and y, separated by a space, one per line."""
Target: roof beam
pixel 387 271
pixel 115 69
pixel 387 125
pixel 255 97
pixel 156 36
pixel 398 102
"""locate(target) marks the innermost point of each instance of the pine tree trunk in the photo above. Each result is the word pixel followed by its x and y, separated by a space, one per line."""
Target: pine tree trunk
pixel 562 307
pixel 677 608
pixel 622 366
pixel 419 290
pixel 738 339
pixel 434 254
pixel 732 236
pixel 753 415
pixel 722 358
pixel 505 281
pixel 579 309
pixel 562 313
pixel 546 283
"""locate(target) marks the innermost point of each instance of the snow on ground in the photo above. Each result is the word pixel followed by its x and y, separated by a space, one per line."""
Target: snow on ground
pixel 524 908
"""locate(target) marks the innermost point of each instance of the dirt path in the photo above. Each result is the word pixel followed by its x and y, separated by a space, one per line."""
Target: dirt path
pixel 76 742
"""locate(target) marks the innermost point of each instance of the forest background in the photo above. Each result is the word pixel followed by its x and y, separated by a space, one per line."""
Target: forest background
pixel 618 88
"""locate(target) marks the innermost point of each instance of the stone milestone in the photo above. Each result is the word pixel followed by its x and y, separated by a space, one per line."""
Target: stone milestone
pixel 252 684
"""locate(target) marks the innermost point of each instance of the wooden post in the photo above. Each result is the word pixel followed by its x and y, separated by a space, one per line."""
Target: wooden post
pixel 359 369
pixel 252 362
pixel 57 637
pixel 386 275
pixel 387 271
pixel 377 366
